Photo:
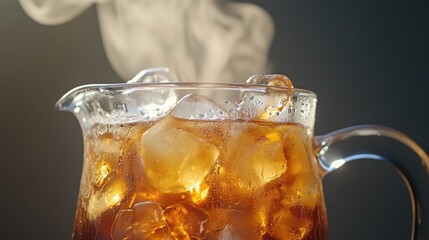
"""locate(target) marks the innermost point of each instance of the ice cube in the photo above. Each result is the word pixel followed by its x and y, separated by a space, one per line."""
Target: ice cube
pixel 268 105
pixel 144 221
pixel 287 225
pixel 305 190
pixel 105 147
pixel 301 171
pixel 225 189
pixel 187 221
pixel 194 106
pixel 110 194
pixel 232 233
pixel 256 154
pixel 162 234
pixel 232 224
pixel 149 104
pixel 264 205
pixel 225 233
pixel 219 218
pixel 280 216
pixel 122 224
pixel 147 217
pixel 174 159
pixel 199 192
pixel 154 75
pixel 107 142
pixel 295 150
pixel 271 80
pixel 102 174
pixel 103 150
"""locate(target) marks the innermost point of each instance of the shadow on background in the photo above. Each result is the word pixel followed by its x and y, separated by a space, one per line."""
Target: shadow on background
pixel 366 60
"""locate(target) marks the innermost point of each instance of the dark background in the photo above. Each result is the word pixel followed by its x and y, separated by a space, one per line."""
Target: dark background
pixel 367 61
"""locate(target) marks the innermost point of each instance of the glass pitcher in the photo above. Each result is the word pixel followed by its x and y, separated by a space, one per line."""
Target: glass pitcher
pixel 177 160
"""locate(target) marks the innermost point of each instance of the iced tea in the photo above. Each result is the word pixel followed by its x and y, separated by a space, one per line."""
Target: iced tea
pixel 200 179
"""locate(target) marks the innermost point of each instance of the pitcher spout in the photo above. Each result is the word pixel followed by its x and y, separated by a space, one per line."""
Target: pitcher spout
pixel 92 104
pixel 80 101
pixel 136 100
pixel 118 103
pixel 68 101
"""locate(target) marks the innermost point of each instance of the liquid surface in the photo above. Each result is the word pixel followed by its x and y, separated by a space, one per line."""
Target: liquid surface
pixel 192 179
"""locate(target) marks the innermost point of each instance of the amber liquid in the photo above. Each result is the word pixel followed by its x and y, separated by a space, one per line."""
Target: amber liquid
pixel 186 179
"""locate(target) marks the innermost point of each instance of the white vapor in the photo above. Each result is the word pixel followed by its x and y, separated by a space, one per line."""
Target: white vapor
pixel 200 40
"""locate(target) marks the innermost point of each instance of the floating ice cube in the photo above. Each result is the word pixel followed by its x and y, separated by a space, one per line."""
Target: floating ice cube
pixel 268 105
pixel 154 75
pixel 257 155
pixel 271 80
pixel 199 107
pixel 174 159
pixel 149 104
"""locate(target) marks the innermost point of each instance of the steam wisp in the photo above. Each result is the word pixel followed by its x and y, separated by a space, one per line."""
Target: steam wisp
pixel 200 40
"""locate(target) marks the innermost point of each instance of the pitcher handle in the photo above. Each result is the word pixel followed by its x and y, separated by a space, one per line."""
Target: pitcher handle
pixel 385 144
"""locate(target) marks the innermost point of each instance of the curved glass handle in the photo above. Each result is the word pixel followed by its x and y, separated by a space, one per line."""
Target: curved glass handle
pixel 385 144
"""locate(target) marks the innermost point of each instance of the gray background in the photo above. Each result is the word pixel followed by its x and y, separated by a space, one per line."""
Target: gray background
pixel 366 60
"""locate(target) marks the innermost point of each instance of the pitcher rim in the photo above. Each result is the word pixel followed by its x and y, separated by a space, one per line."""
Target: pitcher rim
pixel 178 85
